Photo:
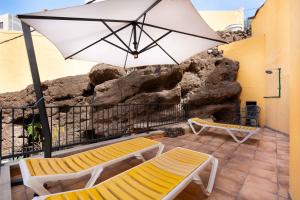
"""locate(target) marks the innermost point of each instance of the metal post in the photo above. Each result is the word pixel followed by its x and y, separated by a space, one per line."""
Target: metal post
pixel 38 90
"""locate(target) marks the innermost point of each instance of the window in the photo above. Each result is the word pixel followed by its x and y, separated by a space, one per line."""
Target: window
pixel 1 25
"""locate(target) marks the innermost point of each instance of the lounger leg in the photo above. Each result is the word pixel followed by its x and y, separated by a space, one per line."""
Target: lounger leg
pixel 38 187
pixel 193 128
pixel 140 157
pixel 249 134
pixel 211 180
pixel 160 149
pixel 94 176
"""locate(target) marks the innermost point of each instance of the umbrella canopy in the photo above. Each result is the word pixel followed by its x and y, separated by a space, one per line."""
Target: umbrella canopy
pixel 126 32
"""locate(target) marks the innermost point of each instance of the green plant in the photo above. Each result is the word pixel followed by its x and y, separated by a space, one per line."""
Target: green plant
pixel 34 131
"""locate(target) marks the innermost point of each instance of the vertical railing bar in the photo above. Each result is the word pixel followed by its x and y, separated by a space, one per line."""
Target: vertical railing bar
pixel 73 124
pixel 118 119
pixel 80 124
pixel 103 122
pixel 13 132
pixel 108 122
pixel 97 121
pixel 66 131
pixel 59 132
pixel 33 129
pixel 23 131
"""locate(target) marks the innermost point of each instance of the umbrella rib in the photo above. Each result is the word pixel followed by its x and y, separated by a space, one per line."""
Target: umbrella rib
pixel 181 32
pixel 90 45
pixel 128 44
pixel 116 45
pixel 138 44
pixel 148 9
pixel 154 43
pixel 159 46
pixel 115 34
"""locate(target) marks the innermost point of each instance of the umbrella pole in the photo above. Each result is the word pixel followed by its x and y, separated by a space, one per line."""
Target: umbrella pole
pixel 38 90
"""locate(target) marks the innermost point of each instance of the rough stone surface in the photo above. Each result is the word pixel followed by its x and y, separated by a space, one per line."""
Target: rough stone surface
pixel 148 80
pixel 104 72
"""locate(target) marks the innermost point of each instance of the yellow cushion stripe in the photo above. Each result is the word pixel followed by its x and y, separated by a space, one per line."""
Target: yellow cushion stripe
pixel 71 164
pixel 63 166
pixel 94 194
pixel 131 190
pixel 56 197
pixel 30 168
pixel 70 196
pixel 140 187
pixel 117 191
pixel 82 194
pixel 46 167
pixel 142 180
pixel 55 166
pixel 37 168
pixel 86 160
pixel 105 193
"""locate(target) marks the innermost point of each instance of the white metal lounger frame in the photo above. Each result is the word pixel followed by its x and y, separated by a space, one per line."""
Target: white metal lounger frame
pixel 36 183
pixel 227 129
pixel 194 176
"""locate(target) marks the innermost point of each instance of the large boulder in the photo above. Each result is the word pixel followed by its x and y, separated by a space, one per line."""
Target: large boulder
pixel 146 80
pixel 172 96
pixel 214 94
pixel 104 72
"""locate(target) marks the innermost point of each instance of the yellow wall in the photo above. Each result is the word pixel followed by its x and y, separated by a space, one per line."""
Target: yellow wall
pixel 276 31
pixel 14 68
pixel 251 54
pixel 294 16
pixel 271 23
pixel 219 20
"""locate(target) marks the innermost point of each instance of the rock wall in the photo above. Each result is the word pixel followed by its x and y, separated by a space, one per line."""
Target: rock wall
pixel 206 82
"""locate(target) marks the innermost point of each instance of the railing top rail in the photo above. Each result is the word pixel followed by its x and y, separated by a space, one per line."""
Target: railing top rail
pixel 88 105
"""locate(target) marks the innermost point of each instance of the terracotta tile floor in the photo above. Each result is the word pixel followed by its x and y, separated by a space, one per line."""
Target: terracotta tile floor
pixel 255 170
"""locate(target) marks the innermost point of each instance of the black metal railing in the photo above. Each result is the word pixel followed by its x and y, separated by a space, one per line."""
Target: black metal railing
pixel 21 130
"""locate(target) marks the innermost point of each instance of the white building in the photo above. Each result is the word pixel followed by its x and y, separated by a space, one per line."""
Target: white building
pixel 9 22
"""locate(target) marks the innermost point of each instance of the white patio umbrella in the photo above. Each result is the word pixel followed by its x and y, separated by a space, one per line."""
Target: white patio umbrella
pixel 126 32
pixel 118 32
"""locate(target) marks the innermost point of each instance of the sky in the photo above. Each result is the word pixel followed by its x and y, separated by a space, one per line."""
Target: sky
pixel 25 6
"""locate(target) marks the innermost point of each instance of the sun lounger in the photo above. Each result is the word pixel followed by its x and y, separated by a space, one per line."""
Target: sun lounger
pixel 37 171
pixel 229 128
pixel 162 177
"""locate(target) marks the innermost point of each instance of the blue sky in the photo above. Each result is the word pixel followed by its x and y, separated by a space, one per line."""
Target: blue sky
pixel 25 6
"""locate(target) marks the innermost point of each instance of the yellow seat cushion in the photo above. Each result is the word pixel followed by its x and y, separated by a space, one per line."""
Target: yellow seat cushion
pixel 85 160
pixel 151 180
pixel 232 126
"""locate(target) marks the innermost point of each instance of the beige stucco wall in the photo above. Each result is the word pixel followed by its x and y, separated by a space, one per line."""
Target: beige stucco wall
pixel 14 68
pixel 219 20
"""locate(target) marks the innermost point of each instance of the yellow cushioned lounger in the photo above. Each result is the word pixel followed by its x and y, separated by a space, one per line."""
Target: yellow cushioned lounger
pixel 162 177
pixel 230 128
pixel 37 171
